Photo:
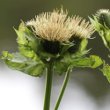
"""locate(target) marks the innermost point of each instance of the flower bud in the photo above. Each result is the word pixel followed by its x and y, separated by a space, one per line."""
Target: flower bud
pixel 103 16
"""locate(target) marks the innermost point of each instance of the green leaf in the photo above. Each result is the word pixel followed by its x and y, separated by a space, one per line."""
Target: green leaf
pixel 21 63
pixel 68 60
pixel 106 36
pixel 96 61
pixel 60 67
pixel 6 55
pixel 15 65
pixel 27 52
pixel 34 70
pixel 106 71
pixel 83 45
pixel 27 43
pixel 103 31
pixel 26 37
pixel 21 38
pixel 96 24
pixel 92 62
pixel 16 61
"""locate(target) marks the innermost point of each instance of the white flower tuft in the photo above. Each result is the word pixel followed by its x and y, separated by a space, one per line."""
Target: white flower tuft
pixel 102 11
pixel 57 26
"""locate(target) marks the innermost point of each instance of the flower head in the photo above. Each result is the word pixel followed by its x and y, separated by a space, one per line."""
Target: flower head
pixel 102 11
pixel 83 29
pixel 103 16
pixel 58 26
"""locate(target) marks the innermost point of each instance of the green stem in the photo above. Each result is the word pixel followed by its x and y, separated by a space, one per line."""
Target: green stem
pixel 48 87
pixel 66 79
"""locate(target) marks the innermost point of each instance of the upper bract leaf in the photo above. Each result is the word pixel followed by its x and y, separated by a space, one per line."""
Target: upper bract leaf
pixel 26 37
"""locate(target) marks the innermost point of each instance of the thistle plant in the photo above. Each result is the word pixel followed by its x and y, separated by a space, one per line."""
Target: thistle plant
pixel 53 43
pixel 101 23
